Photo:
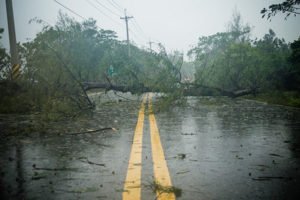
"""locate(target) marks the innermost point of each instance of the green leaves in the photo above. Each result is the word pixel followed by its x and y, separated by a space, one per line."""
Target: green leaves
pixel 288 7
pixel 231 61
pixel 4 61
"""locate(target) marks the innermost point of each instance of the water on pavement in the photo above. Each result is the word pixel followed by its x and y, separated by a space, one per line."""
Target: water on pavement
pixel 216 148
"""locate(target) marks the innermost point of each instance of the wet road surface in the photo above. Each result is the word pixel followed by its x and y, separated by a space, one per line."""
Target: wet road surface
pixel 215 148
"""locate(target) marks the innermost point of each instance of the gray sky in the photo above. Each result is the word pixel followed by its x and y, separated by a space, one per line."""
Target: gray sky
pixel 175 23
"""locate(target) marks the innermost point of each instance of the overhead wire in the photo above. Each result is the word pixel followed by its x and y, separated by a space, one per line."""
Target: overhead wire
pixel 119 9
pixel 141 37
pixel 75 13
pixel 107 8
pixel 135 24
pixel 103 13
pixel 136 36
pixel 69 9
pixel 139 29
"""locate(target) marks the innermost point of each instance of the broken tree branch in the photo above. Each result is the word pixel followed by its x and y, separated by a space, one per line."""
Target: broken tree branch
pixel 93 131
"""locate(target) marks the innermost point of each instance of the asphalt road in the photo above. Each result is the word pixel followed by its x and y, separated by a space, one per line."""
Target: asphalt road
pixel 210 148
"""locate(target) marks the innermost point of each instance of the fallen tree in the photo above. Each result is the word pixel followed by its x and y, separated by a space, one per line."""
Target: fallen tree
pixel 121 88
pixel 189 89
pixel 192 89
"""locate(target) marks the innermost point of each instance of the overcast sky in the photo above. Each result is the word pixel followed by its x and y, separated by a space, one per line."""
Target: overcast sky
pixel 175 23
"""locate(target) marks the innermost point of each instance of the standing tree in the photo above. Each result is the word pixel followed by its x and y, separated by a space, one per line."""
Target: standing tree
pixel 4 61
pixel 293 75
pixel 288 6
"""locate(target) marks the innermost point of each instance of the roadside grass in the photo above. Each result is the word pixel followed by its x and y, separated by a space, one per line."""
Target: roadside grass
pixel 290 98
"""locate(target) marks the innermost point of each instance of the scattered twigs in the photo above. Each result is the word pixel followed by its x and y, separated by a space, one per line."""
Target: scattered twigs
pixel 52 169
pixel 183 172
pixel 93 131
pixel 274 154
pixel 268 178
pixel 188 134
pixel 86 160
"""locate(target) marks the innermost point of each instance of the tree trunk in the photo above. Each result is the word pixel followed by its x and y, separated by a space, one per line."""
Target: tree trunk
pixel 189 89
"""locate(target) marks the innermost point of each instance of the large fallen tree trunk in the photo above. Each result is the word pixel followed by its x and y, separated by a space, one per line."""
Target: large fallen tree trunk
pixel 190 89
pixel 120 88
pixel 244 92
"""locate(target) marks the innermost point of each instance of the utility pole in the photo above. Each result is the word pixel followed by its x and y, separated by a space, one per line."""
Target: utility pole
pixel 150 45
pixel 12 40
pixel 126 18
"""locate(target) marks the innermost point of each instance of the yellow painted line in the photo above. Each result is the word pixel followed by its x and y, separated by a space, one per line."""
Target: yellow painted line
pixel 132 186
pixel 161 172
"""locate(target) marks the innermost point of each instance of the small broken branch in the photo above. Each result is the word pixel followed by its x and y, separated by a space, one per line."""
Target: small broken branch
pixel 268 178
pixel 52 169
pixel 86 160
pixel 93 131
pixel 120 88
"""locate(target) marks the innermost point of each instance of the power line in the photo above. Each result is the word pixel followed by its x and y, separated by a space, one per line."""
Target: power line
pixel 135 24
pixel 118 16
pixel 69 9
pixel 107 8
pixel 137 36
pixel 103 13
pixel 119 9
pixel 145 36
pixel 131 31
pixel 94 6
pixel 140 30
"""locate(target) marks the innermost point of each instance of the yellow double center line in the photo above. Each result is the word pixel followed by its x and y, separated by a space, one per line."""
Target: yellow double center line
pixel 132 186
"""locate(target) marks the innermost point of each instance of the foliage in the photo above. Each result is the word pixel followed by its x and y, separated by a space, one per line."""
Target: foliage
pixel 287 98
pixel 273 53
pixel 159 189
pixel 288 6
pixel 292 77
pixel 56 63
pixel 4 61
pixel 61 58
pixel 230 61
pixel 167 101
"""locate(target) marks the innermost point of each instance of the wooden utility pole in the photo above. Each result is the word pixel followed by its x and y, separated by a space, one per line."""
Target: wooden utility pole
pixel 15 64
pixel 150 45
pixel 126 18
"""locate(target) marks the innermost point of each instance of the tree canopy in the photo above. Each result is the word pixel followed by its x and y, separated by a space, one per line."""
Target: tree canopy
pixel 288 7
pixel 231 61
